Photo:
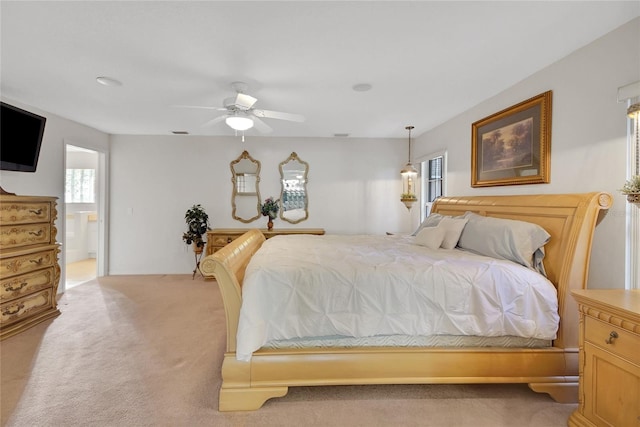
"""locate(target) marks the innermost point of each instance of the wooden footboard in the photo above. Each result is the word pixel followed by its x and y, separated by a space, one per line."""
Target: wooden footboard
pixel 569 218
pixel 227 266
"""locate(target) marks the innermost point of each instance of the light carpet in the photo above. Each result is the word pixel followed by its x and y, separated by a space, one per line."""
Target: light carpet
pixel 147 351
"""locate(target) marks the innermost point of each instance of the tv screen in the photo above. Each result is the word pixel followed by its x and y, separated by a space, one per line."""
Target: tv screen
pixel 20 138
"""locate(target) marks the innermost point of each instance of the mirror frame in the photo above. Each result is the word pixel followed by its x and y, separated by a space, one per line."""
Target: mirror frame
pixel 234 180
pixel 294 157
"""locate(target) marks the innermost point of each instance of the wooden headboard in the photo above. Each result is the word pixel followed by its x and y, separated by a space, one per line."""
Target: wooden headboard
pixel 570 219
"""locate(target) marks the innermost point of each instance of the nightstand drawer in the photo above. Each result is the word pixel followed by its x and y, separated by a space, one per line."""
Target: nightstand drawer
pixel 612 339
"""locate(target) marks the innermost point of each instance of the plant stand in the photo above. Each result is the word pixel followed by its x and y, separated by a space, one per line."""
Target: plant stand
pixel 198 257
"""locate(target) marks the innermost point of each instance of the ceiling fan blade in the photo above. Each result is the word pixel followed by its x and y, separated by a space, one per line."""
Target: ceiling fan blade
pixel 278 115
pixel 244 101
pixel 261 126
pixel 201 106
pixel 214 121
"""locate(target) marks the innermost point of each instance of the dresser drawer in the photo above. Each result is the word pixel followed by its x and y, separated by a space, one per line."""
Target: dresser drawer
pixel 25 212
pixel 14 236
pixel 626 344
pixel 218 240
pixel 222 240
pixel 24 284
pixel 14 265
pixel 26 306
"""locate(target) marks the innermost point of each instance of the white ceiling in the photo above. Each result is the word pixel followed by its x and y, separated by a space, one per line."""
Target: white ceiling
pixel 426 61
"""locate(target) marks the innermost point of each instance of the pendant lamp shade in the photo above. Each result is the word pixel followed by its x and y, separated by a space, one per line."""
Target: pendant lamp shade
pixel 409 176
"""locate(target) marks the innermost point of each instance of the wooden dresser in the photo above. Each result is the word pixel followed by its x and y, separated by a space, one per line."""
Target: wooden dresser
pixel 29 269
pixel 218 238
pixel 609 392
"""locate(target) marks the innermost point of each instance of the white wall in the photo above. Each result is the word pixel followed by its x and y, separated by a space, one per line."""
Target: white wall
pixel 48 179
pixel 354 184
pixel 588 142
pixel 354 187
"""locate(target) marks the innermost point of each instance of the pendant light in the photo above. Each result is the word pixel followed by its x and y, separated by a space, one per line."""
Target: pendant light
pixel 409 175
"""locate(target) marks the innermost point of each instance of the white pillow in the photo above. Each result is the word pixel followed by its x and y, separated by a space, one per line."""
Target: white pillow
pixel 431 237
pixel 518 241
pixel 453 229
pixel 430 221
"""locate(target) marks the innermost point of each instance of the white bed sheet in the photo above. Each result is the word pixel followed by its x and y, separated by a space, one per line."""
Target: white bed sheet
pixel 299 286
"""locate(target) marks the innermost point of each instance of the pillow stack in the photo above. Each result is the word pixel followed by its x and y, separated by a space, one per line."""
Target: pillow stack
pixel 517 241
pixel 439 231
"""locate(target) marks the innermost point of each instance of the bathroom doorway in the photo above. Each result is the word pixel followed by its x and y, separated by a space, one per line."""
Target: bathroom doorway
pixel 81 240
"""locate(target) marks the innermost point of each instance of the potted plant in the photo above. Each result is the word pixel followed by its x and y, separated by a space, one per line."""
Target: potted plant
pixel 197 225
pixel 270 208
pixel 631 189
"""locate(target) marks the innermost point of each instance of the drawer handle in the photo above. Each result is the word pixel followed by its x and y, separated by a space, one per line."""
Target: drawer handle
pixel 36 261
pixel 37 234
pixel 612 336
pixel 36 211
pixel 8 311
pixel 12 289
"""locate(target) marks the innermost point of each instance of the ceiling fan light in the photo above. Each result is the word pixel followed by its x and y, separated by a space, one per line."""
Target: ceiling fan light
pixel 239 122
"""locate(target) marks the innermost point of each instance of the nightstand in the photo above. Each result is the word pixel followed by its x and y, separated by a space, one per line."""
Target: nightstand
pixel 609 342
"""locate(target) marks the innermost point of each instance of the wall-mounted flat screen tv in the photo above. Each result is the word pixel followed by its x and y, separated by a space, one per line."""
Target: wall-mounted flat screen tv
pixel 20 138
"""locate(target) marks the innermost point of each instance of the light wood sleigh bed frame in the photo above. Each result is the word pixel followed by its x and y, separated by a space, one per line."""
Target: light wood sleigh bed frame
pixel 569 218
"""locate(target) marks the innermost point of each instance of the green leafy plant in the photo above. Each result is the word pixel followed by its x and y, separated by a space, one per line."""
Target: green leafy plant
pixel 270 207
pixel 197 225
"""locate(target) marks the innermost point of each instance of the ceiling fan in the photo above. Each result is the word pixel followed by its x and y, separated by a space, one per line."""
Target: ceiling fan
pixel 241 114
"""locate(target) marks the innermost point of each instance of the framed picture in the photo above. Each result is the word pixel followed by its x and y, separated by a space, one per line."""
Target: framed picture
pixel 513 146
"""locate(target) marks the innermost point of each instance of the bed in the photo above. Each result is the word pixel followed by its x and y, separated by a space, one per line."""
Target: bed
pixel 569 219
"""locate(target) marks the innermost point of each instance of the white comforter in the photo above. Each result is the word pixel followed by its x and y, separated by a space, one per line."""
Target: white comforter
pixel 306 286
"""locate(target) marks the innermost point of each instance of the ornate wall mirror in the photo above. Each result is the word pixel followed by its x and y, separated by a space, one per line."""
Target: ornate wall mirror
pixel 245 176
pixel 294 199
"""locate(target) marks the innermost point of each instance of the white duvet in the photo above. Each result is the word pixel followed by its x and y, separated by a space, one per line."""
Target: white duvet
pixel 358 286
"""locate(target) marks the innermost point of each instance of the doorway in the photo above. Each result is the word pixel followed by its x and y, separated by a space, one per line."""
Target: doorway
pixel 82 219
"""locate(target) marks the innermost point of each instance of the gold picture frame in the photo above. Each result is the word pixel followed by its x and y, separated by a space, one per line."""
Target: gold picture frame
pixel 513 146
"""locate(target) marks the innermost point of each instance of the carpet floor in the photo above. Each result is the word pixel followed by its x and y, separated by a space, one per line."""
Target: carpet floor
pixel 147 351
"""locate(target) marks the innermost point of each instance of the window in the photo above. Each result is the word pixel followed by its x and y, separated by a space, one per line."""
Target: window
pixel 630 94
pixel 434 170
pixel 80 186
pixel 633 212
pixel 434 178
